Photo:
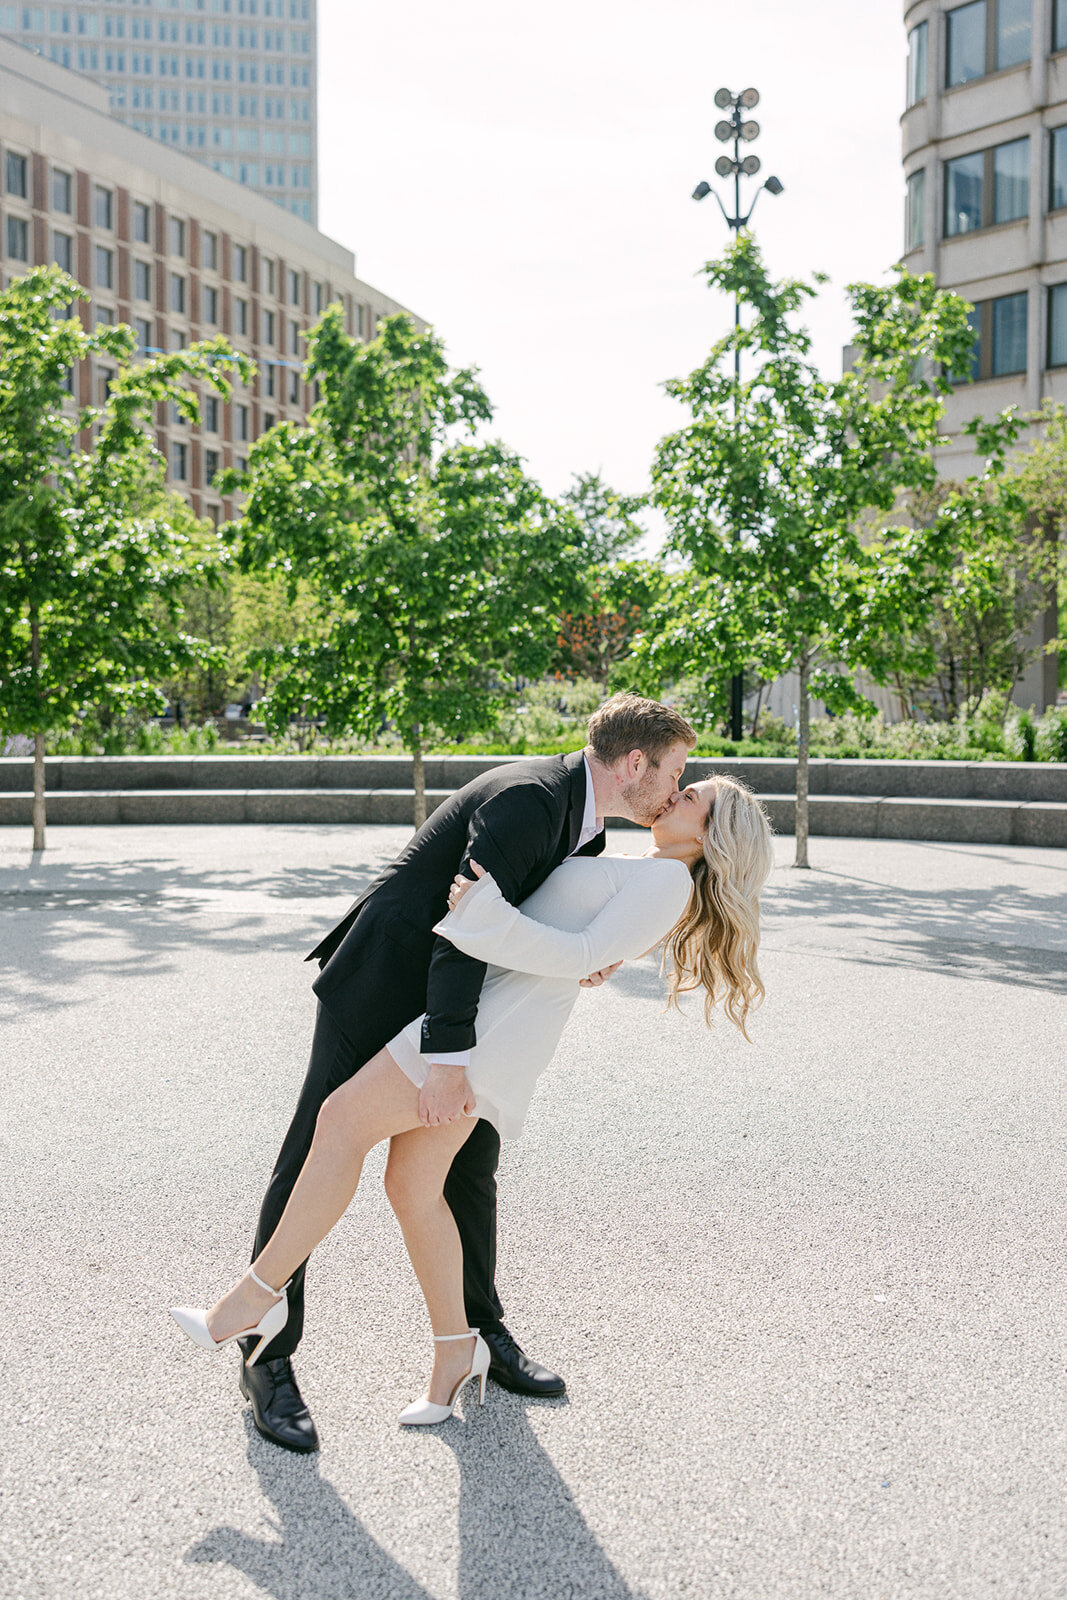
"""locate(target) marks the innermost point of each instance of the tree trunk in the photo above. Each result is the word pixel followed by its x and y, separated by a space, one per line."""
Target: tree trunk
pixel 419 775
pixel 38 789
pixel 38 736
pixel 802 768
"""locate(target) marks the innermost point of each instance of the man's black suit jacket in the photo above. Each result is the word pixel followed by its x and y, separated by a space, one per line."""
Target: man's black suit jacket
pixel 518 822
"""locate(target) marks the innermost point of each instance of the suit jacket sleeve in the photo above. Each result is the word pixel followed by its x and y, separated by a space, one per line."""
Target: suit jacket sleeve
pixel 514 835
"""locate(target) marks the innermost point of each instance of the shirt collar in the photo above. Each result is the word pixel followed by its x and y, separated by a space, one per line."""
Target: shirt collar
pixel 591 823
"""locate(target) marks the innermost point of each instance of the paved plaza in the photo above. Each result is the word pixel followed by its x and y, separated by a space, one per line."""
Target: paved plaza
pixel 807 1293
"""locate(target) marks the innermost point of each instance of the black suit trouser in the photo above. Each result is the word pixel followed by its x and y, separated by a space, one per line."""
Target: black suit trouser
pixel 470 1188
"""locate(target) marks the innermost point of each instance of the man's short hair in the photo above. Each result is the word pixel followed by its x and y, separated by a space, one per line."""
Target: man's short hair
pixel 626 722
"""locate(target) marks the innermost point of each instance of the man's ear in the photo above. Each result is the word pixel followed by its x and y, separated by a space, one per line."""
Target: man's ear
pixel 636 762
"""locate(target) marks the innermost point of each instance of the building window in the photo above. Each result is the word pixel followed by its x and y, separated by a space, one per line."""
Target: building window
pixel 177 292
pixel 209 251
pixel 240 263
pixel 211 413
pixel 179 459
pixel 1057 197
pixel 176 236
pixel 16 179
pixel 294 288
pixel 142 280
pixel 320 297
pixel 1059 26
pixel 267 274
pixel 987 187
pixel 63 251
pixel 103 317
pixel 103 206
pixel 18 239
pixel 270 381
pixel 211 466
pixel 915 218
pixel 294 338
pixel 104 380
pixel 917 64
pixel 986 36
pixel 294 388
pixel 268 327
pixel 211 305
pixel 143 329
pixel 1000 328
pixel 62 191
pixel 104 268
pixel 240 423
pixel 1057 325
pixel 240 316
pixel 142 222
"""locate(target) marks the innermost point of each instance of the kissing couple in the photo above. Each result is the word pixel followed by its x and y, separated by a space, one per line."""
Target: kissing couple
pixel 442 995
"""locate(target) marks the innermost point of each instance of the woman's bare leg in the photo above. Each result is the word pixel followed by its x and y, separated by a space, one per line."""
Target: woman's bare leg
pixel 377 1102
pixel 415 1174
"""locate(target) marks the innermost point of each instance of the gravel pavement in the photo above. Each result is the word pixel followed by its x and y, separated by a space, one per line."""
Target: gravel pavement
pixel 807 1294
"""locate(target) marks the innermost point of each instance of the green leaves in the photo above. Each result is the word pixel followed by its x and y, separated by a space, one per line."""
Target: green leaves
pixel 437 566
pixel 93 547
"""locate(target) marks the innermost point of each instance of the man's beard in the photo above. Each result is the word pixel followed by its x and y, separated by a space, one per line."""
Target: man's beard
pixel 642 798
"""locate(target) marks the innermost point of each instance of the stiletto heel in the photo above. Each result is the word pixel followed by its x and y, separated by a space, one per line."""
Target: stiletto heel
pixel 194 1322
pixel 421 1412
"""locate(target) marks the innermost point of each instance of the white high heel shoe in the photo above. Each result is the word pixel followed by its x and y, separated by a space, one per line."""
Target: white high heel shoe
pixel 421 1412
pixel 269 1326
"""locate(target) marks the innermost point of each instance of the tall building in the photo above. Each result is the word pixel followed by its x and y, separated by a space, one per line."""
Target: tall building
pixel 178 252
pixel 230 82
pixel 985 161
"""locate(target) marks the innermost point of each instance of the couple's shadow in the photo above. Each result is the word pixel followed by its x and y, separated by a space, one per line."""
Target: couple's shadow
pixel 520 1532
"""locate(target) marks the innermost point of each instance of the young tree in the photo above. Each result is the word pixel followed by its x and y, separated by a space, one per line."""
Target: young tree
pixel 774 492
pixel 1009 556
pixel 92 544
pixel 437 565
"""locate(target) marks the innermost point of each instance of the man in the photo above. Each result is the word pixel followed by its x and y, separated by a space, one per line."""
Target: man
pixel 382 965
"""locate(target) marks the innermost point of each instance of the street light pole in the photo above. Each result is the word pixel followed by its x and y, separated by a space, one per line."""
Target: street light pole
pixel 739 129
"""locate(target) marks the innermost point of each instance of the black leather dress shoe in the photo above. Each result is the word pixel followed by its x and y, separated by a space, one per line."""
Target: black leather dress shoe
pixel 278 1407
pixel 512 1368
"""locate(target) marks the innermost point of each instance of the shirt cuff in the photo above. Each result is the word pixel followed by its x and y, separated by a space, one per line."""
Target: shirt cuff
pixel 449 1058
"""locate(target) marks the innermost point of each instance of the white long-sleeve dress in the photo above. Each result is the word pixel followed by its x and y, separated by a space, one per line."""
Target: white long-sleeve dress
pixel 590 912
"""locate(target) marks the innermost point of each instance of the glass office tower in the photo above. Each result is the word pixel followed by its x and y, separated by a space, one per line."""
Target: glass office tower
pixel 229 82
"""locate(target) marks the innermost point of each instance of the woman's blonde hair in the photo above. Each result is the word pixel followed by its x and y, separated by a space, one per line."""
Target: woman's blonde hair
pixel 713 945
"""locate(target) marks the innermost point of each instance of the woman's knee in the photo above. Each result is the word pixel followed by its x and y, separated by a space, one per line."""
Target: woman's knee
pixel 409 1189
pixel 335 1124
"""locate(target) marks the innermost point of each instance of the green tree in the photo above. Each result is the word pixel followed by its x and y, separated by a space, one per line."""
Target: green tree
pixel 438 567
pixel 777 490
pixel 92 545
pixel 1009 557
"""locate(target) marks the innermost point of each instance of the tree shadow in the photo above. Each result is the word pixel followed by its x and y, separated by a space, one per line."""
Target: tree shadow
pixel 521 1535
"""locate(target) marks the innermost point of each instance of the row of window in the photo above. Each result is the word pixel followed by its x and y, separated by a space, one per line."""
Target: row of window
pixel 1000 334
pixel 198 103
pixel 17 183
pixel 38 19
pixel 986 187
pixel 981 37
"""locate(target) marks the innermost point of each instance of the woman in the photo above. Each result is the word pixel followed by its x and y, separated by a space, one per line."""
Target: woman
pixel 697 889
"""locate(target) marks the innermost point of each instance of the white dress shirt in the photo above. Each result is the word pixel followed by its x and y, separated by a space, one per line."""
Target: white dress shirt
pixel 591 826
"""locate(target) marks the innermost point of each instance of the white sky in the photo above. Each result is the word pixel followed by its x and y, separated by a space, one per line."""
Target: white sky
pixel 520 175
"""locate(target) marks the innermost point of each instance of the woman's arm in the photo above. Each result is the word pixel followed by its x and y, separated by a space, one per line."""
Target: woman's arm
pixel 638 916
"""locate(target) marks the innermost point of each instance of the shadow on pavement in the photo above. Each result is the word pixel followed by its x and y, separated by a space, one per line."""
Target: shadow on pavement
pixel 521 1536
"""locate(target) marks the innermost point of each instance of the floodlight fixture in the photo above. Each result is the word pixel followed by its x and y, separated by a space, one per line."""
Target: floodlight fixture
pixel 749 98
pixel 725 167
pixel 723 98
pixel 750 130
pixel 751 165
pixel 703 189
pixel 774 185
pixel 724 131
